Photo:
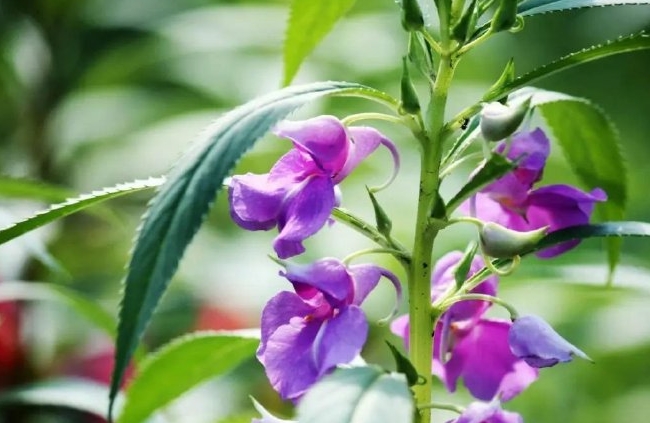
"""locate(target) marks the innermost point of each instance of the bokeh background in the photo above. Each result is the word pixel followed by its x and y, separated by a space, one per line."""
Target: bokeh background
pixel 97 92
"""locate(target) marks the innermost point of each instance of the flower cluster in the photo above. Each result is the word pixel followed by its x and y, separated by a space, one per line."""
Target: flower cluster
pixel 513 202
pixel 300 191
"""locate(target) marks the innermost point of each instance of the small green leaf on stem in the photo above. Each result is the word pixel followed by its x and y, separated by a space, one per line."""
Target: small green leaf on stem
pixel 465 264
pixel 505 17
pixel 464 28
pixel 404 365
pixel 420 54
pixel 412 19
pixel 384 224
pixel 410 103
pixel 507 76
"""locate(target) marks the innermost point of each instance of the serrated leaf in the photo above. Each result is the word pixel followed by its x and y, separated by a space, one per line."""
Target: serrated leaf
pixel 534 7
pixel 73 205
pixel 309 22
pixel 179 208
pixel 634 42
pixel 493 169
pixel 358 395
pixel 75 394
pixel 590 144
pixel 181 365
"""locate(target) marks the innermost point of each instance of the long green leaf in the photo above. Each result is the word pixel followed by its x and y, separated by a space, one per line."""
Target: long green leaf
pixel 358 395
pixel 179 208
pixel 534 7
pixel 634 42
pixel 74 394
pixel 73 205
pixel 181 365
pixel 309 22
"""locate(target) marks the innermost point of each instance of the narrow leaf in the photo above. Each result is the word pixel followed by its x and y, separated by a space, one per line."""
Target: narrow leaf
pixel 180 366
pixel 493 169
pixel 534 7
pixel 73 205
pixel 404 365
pixel 464 266
pixel 358 395
pixel 309 22
pixel 179 208
pixel 471 132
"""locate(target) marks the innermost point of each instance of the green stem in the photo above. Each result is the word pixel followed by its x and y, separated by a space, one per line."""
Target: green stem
pixel 421 324
pixel 481 297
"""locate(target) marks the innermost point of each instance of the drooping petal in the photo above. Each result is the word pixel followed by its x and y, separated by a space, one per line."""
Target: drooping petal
pixel 323 137
pixel 254 202
pixel 535 341
pixel 306 211
pixel 366 277
pixel 561 206
pixel 328 275
pixel 364 141
pixel 482 357
pixel 341 339
pixel 481 412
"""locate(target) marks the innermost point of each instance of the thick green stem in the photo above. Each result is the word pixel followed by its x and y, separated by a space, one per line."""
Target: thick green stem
pixel 421 323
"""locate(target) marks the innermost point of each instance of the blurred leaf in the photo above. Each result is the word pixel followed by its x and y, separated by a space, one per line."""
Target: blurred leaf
pixel 309 22
pixel 33 291
pixel 534 7
pixel 493 169
pixel 590 143
pixel 597 230
pixel 358 395
pixel 74 205
pixel 465 264
pixel 179 208
pixel 181 365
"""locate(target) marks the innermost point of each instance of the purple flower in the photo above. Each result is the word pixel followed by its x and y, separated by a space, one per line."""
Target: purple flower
pixel 470 347
pixel 512 202
pixel 481 412
pixel 535 341
pixel 299 192
pixel 308 333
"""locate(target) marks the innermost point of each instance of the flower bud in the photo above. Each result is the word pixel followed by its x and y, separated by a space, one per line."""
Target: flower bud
pixel 505 16
pixel 410 103
pixel 537 343
pixel 499 121
pixel 500 242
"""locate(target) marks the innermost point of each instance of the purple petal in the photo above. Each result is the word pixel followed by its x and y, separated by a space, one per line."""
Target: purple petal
pixel 489 210
pixel 561 206
pixel 324 138
pixel 288 334
pixel 294 166
pixel 341 339
pixel 484 360
pixel 254 202
pixel 400 327
pixel 306 212
pixel 327 275
pixel 479 412
pixel 530 150
pixel 364 140
pixel 535 341
pixel 365 277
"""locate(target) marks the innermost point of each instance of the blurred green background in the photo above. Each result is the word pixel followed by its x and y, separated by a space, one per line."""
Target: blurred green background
pixel 96 92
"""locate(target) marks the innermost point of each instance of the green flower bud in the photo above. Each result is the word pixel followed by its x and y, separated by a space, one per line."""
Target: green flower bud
pixel 410 103
pixel 499 121
pixel 412 19
pixel 505 16
pixel 500 242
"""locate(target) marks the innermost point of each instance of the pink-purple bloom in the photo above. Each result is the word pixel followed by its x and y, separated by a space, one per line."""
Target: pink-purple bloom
pixel 482 412
pixel 471 347
pixel 299 192
pixel 511 201
pixel 307 333
pixel 539 345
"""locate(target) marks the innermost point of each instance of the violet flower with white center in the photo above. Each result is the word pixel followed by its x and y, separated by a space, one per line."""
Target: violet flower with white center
pixel 539 345
pixel 299 192
pixel 481 412
pixel 468 346
pixel 308 333
pixel 512 202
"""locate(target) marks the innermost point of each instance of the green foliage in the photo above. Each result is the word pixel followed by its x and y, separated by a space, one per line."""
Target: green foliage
pixel 404 365
pixel 384 223
pixel 465 264
pixel 309 22
pixel 180 366
pixel 534 7
pixel 73 205
pixel 179 208
pixel 493 169
pixel 358 395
